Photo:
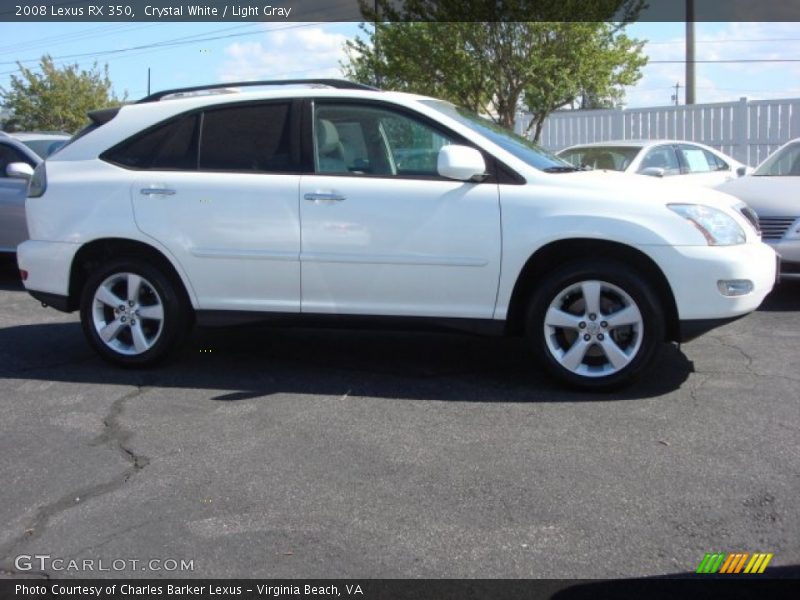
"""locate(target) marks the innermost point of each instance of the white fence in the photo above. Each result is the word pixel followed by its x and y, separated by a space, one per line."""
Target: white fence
pixel 746 130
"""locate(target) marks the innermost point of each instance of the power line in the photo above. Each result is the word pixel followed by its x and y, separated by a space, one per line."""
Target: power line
pixel 163 45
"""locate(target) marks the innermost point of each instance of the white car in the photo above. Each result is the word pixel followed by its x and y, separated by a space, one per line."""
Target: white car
pixel 773 191
pixel 696 163
pixel 331 200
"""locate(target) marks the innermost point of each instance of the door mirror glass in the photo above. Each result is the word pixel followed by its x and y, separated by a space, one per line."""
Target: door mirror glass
pixel 19 170
pixel 462 163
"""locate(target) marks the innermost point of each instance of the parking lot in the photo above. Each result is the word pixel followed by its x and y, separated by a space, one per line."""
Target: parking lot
pixel 275 453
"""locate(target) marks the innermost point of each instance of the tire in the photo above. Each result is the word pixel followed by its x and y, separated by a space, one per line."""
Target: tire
pixel 605 345
pixel 132 313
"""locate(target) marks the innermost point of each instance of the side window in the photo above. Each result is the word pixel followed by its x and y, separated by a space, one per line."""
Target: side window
pixel 698 160
pixel 661 157
pixel 248 138
pixel 367 140
pixel 171 146
pixel 8 155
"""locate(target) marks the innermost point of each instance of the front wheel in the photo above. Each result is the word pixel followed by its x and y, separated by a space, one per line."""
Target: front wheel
pixel 132 313
pixel 595 325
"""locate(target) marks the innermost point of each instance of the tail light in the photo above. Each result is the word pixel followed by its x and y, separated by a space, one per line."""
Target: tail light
pixel 38 183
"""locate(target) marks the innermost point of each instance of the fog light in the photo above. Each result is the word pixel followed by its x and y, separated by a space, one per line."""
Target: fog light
pixel 23 274
pixel 735 287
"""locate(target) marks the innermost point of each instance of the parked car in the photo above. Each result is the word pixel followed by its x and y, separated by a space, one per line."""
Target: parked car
pixel 43 143
pixel 773 191
pixel 289 202
pixel 659 158
pixel 17 162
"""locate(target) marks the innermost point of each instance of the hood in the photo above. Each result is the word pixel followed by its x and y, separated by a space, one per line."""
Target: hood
pixel 768 196
pixel 643 188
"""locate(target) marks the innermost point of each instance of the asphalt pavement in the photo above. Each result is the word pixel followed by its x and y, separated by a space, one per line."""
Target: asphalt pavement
pixel 282 453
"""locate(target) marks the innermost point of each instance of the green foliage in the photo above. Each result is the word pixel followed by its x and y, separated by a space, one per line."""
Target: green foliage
pixel 56 98
pixel 491 58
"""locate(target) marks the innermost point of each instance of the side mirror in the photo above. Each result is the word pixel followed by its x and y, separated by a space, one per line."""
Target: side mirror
pixel 652 172
pixel 741 171
pixel 461 162
pixel 19 170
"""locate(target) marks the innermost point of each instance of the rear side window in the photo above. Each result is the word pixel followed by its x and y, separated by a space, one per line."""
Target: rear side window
pixel 247 138
pixel 252 138
pixel 172 146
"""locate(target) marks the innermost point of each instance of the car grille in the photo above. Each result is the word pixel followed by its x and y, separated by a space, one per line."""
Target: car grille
pixel 774 228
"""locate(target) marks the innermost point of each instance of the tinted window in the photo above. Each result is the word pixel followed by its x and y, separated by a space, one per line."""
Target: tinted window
pixel 172 146
pixel 366 140
pixel 247 138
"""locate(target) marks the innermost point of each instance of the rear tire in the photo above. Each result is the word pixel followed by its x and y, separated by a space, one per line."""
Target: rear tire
pixel 595 324
pixel 132 313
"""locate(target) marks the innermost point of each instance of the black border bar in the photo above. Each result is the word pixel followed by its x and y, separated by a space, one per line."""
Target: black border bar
pixel 242 11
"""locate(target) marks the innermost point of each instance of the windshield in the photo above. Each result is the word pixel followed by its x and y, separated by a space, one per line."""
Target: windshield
pixel 44 148
pixel 785 162
pixel 612 158
pixel 517 145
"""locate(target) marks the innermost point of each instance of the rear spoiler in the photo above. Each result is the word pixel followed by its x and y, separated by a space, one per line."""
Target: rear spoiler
pixel 103 116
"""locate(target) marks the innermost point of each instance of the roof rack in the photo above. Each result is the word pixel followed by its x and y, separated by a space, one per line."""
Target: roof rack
pixel 340 84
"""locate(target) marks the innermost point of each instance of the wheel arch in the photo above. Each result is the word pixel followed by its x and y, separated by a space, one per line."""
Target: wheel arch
pixel 554 254
pixel 94 253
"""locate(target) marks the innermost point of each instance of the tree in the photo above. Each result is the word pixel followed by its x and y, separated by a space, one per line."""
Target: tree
pixel 56 98
pixel 491 57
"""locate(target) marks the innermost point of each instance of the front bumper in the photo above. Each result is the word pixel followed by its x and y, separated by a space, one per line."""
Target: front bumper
pixel 694 272
pixel 789 251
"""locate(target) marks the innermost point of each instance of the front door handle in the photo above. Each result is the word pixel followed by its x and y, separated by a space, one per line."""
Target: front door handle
pixel 157 191
pixel 324 197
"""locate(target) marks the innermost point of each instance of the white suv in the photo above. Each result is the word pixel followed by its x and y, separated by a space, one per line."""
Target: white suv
pixel 331 199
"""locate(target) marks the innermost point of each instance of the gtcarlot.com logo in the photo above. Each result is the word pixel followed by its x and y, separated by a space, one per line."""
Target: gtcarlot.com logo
pixel 46 562
pixel 734 563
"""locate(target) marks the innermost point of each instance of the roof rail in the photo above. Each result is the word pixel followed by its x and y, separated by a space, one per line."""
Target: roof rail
pixel 341 84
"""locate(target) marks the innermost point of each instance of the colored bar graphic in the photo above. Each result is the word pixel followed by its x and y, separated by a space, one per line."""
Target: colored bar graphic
pixel 733 563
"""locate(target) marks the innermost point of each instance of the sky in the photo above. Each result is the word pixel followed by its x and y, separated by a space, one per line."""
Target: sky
pixel 244 51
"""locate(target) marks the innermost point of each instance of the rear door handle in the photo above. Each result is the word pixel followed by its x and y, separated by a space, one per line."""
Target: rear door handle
pixel 324 197
pixel 157 191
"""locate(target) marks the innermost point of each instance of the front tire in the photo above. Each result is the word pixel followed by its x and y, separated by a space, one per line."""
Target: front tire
pixel 132 313
pixel 595 325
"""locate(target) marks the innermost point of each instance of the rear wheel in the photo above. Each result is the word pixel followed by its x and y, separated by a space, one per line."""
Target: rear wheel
pixel 595 324
pixel 132 313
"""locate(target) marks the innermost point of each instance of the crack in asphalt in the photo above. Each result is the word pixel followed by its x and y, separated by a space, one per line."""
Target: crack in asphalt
pixel 113 435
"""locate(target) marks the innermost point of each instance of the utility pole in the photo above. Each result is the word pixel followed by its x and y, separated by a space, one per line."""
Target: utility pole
pixel 148 81
pixel 690 52
pixel 378 78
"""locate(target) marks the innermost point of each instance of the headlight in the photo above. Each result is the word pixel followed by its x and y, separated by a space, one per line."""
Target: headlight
pixel 718 228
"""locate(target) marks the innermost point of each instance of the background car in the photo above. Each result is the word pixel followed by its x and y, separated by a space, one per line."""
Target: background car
pixel 17 162
pixel 773 191
pixel 659 158
pixel 43 143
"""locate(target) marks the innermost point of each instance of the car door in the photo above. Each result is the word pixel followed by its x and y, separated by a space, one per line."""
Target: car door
pixel 13 228
pixel 382 232
pixel 703 167
pixel 220 191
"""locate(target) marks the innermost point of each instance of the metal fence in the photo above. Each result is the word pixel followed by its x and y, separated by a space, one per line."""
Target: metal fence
pixel 746 130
